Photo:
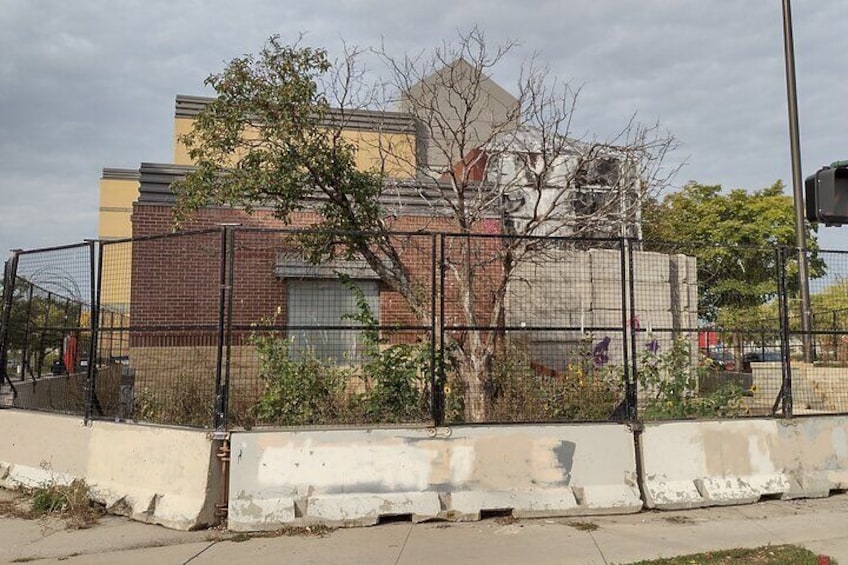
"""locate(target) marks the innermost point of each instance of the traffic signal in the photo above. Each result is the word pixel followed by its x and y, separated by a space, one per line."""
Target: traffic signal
pixel 827 195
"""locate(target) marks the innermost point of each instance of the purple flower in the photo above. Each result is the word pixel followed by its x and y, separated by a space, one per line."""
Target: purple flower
pixel 652 346
pixel 600 355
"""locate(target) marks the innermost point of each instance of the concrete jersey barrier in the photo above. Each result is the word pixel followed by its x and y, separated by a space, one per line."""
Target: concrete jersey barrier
pixel 154 474
pixel 694 464
pixel 359 476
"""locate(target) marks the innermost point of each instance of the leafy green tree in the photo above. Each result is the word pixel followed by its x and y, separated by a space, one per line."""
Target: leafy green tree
pixel 734 236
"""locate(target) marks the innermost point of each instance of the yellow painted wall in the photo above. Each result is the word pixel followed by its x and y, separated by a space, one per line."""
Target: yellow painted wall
pixel 181 127
pixel 116 201
pixel 397 150
pixel 372 146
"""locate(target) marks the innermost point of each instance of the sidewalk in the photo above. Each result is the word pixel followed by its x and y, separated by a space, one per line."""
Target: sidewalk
pixel 819 525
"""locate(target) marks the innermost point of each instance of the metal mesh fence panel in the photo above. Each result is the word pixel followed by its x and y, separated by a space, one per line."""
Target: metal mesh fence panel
pixel 159 327
pixel 708 330
pixel 819 379
pixel 532 329
pixel 48 329
pixel 329 341
pixel 238 327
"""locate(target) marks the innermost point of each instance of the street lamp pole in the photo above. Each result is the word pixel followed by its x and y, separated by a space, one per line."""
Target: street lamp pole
pixel 797 184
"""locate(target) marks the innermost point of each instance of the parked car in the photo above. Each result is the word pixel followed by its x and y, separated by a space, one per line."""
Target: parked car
pixel 722 360
pixel 759 357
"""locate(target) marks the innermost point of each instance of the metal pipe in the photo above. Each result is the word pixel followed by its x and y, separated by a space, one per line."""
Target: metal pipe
pixel 221 508
pixel 797 181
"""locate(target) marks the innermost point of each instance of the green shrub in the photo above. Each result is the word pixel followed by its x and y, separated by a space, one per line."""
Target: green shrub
pixel 388 384
pixel 670 383
pixel 396 383
pixel 297 392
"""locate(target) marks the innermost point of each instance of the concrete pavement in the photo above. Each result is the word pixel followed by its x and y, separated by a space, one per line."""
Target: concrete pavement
pixel 819 525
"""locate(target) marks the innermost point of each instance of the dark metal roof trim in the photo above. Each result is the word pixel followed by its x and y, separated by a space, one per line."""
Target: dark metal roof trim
pixel 360 120
pixel 410 198
pixel 155 182
pixel 119 174
pixel 291 266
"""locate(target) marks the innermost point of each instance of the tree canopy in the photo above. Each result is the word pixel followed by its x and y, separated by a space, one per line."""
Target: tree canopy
pixel 735 236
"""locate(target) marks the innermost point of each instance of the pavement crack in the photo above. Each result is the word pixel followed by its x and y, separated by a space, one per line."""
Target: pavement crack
pixel 759 523
pixel 199 553
pixel 598 547
pixel 403 546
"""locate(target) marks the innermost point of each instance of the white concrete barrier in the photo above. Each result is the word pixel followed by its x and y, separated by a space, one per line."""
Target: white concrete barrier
pixel 161 475
pixel 358 476
pixel 693 464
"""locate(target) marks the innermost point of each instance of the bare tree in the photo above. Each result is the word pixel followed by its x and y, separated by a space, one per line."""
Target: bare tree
pixel 491 155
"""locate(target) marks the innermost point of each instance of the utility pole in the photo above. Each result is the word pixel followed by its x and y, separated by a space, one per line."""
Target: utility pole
pixel 797 185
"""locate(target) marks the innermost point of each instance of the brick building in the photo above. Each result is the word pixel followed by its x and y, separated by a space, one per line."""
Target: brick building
pixel 170 285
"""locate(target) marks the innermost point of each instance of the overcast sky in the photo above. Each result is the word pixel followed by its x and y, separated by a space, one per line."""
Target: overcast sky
pixel 91 83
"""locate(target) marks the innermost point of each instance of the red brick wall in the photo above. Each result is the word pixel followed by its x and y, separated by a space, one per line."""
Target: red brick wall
pixel 176 278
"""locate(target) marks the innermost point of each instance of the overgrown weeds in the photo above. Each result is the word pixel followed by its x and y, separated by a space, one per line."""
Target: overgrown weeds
pixel 188 401
pixel 525 391
pixel 71 503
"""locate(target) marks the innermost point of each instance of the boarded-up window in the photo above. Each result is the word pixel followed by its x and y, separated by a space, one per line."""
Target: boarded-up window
pixel 319 312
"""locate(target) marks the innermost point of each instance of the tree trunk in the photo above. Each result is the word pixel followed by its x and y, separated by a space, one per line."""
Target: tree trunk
pixel 475 359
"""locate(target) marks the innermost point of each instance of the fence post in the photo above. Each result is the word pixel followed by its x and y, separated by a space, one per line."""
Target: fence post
pixel 628 318
pixel 225 385
pixel 439 393
pixel 10 273
pixel 437 406
pixel 785 395
pixel 25 364
pixel 92 403
pixel 220 415
pixel 44 334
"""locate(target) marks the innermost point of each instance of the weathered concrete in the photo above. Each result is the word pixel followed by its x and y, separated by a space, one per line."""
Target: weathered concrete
pixel 582 290
pixel 691 464
pixel 818 525
pixel 154 474
pixel 358 476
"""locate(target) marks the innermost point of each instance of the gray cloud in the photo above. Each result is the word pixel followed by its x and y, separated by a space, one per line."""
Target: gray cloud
pixel 90 84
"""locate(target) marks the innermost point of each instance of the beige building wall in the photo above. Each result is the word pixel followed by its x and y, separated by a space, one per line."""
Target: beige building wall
pixel 394 153
pixel 182 126
pixel 118 191
pixel 445 94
